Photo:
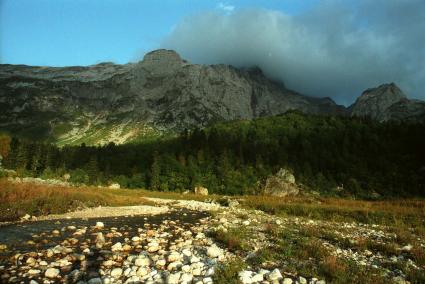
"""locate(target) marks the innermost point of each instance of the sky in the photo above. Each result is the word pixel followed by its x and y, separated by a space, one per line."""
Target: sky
pixel 335 48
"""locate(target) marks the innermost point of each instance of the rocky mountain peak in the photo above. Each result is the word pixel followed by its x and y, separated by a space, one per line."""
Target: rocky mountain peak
pixel 374 102
pixel 162 61
pixel 384 91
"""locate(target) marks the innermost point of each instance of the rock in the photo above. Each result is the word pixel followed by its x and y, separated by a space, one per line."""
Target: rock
pixel 245 277
pixel 201 190
pixel 186 278
pixel 161 262
pixel 31 261
pixel 214 251
pixel 407 248
pixel 52 273
pixel 174 278
pixel 142 261
pixel 274 275
pixel 96 280
pixel 302 280
pixel 99 225
pixel 100 241
pixel 287 280
pixel 116 272
pixel 259 277
pixel 26 217
pixel 34 272
pixel 282 184
pixel 115 186
pixel 174 256
pixel 117 247
pixel 245 223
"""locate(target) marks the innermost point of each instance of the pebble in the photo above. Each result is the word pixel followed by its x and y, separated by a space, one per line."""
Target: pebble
pixel 99 225
pixel 214 251
pixel 274 275
pixel 116 272
pixel 52 273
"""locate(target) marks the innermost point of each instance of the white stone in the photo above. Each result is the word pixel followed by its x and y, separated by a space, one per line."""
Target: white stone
pixel 186 278
pixel 245 223
pixel 161 262
pixel 257 277
pixel 117 247
pixel 100 225
pixel 116 272
pixel 52 273
pixel 245 277
pixel 174 278
pixel 287 281
pixel 142 271
pixel 33 271
pixel 274 275
pixel 214 251
pixel 142 261
pixel 407 248
pixel 174 256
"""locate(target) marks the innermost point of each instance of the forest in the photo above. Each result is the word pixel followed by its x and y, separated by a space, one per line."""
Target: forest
pixel 324 153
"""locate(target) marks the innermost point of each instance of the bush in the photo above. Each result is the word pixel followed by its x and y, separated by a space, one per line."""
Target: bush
pixel 79 176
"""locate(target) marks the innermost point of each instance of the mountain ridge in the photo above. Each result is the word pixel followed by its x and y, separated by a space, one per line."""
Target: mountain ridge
pixel 163 93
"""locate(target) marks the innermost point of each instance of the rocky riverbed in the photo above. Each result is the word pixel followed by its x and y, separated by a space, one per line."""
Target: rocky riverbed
pixel 198 242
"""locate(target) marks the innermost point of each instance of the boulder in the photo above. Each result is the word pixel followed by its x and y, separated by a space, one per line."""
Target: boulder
pixel 115 186
pixel 201 190
pixel 281 184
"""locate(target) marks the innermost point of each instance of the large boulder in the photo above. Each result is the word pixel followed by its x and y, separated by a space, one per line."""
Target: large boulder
pixel 281 184
pixel 201 190
pixel 115 186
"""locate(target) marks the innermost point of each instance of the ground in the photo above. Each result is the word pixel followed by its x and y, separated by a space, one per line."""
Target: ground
pixel 184 238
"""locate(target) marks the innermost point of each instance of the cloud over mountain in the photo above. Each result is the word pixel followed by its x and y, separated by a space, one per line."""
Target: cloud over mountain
pixel 334 49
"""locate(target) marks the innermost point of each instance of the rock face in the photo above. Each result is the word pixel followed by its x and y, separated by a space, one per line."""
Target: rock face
pixel 388 102
pixel 120 103
pixel 282 184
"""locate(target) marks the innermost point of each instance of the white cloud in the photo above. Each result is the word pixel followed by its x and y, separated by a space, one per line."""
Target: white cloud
pixel 332 50
pixel 225 7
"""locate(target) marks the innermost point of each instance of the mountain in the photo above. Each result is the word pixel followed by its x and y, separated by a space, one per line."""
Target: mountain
pixel 122 103
pixel 161 94
pixel 388 102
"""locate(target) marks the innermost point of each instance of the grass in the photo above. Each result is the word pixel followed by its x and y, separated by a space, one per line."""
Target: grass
pixel 228 273
pixel 398 213
pixel 234 239
pixel 18 199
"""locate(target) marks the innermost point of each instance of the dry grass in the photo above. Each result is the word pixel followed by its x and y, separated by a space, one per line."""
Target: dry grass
pixel 17 199
pixel 400 213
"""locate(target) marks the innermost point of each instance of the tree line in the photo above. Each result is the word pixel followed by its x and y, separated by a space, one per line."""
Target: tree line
pixel 325 153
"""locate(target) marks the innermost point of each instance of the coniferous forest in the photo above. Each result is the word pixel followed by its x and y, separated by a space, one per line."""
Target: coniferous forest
pixel 360 155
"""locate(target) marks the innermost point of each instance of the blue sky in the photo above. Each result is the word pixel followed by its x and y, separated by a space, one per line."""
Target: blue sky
pixel 84 32
pixel 335 48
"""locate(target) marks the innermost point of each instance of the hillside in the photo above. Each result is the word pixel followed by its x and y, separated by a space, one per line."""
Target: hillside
pixel 333 155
